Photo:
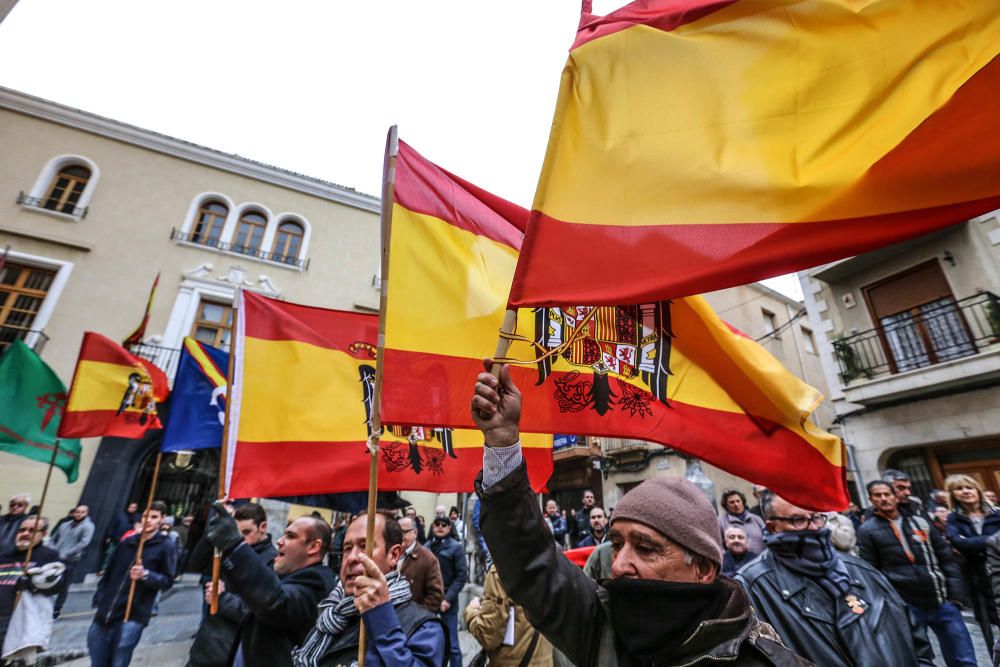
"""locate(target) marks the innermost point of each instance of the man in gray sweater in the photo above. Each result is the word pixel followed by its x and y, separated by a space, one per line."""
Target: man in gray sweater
pixel 71 540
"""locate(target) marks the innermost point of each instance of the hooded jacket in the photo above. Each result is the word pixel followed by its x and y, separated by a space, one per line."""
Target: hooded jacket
pixel 572 611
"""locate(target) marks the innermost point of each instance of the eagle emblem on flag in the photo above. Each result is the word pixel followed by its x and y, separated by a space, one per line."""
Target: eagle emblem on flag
pixel 625 341
pixel 414 453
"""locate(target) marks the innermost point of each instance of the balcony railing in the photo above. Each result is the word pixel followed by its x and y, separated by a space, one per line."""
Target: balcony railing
pixel 164 358
pixel 291 260
pixel 611 446
pixel 34 339
pixel 49 204
pixel 931 334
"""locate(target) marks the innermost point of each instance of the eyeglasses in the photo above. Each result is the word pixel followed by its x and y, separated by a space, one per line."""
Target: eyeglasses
pixel 802 522
pixel 410 530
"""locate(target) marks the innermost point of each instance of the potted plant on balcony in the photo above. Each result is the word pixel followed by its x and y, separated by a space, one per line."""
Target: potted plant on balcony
pixel 850 364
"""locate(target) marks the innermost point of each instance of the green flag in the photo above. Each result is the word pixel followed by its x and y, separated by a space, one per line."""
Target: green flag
pixel 32 400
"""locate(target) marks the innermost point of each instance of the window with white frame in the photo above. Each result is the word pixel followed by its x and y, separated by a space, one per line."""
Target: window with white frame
pixel 64 186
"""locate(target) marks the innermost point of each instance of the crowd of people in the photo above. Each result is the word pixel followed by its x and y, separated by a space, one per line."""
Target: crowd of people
pixel 668 580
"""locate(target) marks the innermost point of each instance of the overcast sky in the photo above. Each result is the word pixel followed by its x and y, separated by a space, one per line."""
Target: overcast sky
pixel 312 85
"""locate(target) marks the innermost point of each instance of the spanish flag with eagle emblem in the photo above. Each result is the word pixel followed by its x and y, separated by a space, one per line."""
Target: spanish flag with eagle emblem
pixel 303 389
pixel 701 144
pixel 114 393
pixel 669 372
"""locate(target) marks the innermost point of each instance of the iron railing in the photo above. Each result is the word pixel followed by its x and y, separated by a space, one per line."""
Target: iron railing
pixel 164 358
pixel 610 446
pixel 291 260
pixel 33 338
pixel 936 332
pixel 50 204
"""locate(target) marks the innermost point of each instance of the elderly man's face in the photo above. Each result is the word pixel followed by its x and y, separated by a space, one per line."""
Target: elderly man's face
pixel 18 505
pixel 439 511
pixel 736 541
pixel 23 539
pixel 551 509
pixel 639 552
pixel 354 546
pixel 588 499
pixel 787 516
pixel 409 527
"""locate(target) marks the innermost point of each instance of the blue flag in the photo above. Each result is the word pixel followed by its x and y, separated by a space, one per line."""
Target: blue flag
pixel 198 401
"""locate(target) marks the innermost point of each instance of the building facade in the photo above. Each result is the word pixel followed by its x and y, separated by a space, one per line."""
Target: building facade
pixel 909 337
pixel 612 466
pixel 91 210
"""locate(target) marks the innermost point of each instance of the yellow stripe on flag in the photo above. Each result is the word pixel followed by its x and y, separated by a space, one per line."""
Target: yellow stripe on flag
pixel 98 385
pixel 204 362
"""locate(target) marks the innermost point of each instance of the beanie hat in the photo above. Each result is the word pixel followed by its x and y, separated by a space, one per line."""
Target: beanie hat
pixel 679 510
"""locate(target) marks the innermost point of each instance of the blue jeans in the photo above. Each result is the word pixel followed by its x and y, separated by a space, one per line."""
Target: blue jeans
pixel 112 645
pixel 450 619
pixel 946 622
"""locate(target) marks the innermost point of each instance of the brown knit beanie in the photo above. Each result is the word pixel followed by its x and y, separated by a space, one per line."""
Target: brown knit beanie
pixel 679 510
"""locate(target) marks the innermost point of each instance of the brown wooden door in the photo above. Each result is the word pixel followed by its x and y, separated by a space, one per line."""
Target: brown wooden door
pixel 986 472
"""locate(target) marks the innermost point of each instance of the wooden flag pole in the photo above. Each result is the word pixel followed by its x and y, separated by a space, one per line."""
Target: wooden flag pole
pixel 507 329
pixel 388 183
pixel 142 532
pixel 213 606
pixel 38 516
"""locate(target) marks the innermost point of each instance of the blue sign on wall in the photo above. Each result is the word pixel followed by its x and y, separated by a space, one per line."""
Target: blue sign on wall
pixel 563 441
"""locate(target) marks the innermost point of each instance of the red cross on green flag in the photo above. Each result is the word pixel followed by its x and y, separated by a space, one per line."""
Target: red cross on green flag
pixel 32 400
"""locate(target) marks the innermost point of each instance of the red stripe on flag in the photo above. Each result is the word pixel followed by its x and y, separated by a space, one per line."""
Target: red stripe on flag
pixel 107 423
pixel 271 319
pixel 303 468
pixel 670 261
pixel 663 15
pixel 423 187
pixel 817 484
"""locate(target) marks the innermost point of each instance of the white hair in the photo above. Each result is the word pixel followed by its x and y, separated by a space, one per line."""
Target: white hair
pixel 25 496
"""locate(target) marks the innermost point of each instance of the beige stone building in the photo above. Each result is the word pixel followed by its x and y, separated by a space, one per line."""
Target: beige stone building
pixel 612 466
pixel 92 209
pixel 909 337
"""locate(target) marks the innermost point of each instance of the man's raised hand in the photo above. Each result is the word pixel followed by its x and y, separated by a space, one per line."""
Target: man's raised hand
pixel 496 406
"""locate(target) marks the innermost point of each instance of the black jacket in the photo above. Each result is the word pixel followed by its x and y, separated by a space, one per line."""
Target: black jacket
pixel 571 610
pixel 9 524
pixel 282 608
pixel 454 570
pixel 213 644
pixel 825 630
pixel 159 557
pixel 931 579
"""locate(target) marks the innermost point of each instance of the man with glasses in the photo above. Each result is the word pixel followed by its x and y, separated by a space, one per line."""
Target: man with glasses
pixel 11 521
pixel 421 568
pixel 828 607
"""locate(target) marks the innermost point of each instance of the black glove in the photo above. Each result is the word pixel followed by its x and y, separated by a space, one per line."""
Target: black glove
pixel 23 583
pixel 222 530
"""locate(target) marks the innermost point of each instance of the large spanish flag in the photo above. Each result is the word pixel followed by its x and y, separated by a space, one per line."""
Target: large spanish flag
pixel 114 393
pixel 700 144
pixel 303 388
pixel 666 372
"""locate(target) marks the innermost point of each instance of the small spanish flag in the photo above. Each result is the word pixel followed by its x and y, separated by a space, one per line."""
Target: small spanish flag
pixel 302 400
pixel 114 393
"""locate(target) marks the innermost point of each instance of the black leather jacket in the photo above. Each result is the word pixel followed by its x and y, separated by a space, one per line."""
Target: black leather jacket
pixel 570 609
pixel 828 631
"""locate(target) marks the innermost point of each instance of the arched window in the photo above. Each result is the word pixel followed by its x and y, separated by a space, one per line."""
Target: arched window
pixel 288 242
pixel 208 225
pixel 250 233
pixel 66 188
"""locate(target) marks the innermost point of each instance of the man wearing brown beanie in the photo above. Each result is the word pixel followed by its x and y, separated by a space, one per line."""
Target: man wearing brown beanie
pixel 665 603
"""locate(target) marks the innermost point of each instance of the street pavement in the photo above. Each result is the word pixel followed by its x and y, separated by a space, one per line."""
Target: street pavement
pixel 166 641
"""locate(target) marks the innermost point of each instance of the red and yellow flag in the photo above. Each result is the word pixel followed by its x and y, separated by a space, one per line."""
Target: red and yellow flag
pixel 303 388
pixel 700 144
pixel 665 372
pixel 114 393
